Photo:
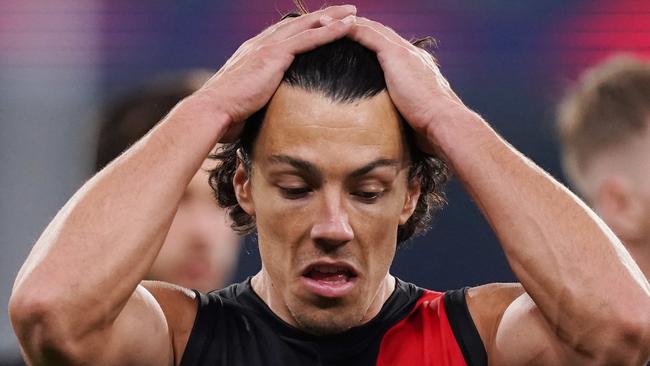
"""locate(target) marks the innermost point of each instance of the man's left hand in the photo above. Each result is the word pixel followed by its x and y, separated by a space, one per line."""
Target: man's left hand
pixel 414 82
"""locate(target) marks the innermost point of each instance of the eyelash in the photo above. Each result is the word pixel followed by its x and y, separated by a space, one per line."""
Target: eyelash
pixel 368 196
pixel 298 193
pixel 294 193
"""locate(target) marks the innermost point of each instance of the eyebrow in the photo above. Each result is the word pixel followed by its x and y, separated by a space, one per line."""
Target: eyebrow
pixel 379 163
pixel 302 165
pixel 311 170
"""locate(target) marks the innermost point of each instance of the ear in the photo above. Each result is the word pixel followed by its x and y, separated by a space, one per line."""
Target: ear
pixel 242 185
pixel 411 200
pixel 619 207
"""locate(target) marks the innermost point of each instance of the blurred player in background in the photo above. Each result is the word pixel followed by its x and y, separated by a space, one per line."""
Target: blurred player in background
pixel 340 122
pixel 200 250
pixel 604 130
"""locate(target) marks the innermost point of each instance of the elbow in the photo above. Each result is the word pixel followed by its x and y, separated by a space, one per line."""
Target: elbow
pixel 628 342
pixel 25 313
pixel 636 334
pixel 41 333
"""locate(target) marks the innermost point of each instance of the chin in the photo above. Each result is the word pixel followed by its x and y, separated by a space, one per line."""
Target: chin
pixel 327 321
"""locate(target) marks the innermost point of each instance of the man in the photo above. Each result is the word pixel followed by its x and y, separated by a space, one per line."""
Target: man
pixel 328 188
pixel 199 251
pixel 604 129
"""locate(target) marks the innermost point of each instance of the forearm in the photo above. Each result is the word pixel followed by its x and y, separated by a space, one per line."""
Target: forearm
pixel 91 257
pixel 569 262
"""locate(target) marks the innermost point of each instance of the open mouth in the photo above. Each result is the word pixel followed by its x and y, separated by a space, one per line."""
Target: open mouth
pixel 329 279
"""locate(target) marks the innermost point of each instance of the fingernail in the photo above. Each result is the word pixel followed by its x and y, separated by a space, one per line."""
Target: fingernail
pixel 325 18
pixel 351 8
pixel 349 19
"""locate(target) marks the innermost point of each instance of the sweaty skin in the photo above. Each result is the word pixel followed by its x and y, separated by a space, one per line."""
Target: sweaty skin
pixel 336 215
pixel 70 307
pixel 78 298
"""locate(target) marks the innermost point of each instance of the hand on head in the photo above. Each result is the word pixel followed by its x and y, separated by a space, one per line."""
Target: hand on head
pixel 250 77
pixel 414 82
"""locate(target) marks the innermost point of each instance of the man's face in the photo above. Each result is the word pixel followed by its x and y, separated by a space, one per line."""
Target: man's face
pixel 328 189
pixel 200 249
pixel 637 164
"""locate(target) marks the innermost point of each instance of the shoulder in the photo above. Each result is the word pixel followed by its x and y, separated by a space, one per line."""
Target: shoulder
pixel 512 328
pixel 487 304
pixel 179 306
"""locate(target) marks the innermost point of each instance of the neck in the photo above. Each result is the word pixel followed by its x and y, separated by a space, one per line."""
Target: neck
pixel 265 289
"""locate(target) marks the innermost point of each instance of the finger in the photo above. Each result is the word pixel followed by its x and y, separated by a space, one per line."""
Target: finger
pixel 294 26
pixel 388 32
pixel 291 26
pixel 393 36
pixel 315 37
pixel 372 39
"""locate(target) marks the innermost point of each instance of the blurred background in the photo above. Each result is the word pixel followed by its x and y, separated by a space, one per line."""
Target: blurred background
pixel 60 61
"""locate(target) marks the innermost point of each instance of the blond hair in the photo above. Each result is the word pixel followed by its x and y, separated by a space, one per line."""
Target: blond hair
pixel 606 108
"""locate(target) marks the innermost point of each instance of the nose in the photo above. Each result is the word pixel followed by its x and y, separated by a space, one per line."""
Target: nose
pixel 332 226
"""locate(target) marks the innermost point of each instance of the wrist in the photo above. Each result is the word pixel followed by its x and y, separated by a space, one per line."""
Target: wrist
pixel 204 112
pixel 449 125
pixel 456 133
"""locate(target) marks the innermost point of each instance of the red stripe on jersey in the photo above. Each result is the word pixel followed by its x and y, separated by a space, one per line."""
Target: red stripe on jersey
pixel 424 337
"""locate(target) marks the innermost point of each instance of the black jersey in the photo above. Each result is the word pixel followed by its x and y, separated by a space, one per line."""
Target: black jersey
pixel 235 327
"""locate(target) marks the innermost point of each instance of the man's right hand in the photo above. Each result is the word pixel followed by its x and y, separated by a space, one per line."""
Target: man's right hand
pixel 73 302
pixel 249 78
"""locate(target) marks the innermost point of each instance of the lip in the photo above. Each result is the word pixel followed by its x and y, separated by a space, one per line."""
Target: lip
pixel 329 290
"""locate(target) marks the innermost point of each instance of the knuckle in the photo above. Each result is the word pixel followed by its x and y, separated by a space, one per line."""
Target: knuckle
pixel 335 27
pixel 401 51
pixel 283 23
pixel 273 27
pixel 248 43
pixel 271 53
pixel 375 23
pixel 264 51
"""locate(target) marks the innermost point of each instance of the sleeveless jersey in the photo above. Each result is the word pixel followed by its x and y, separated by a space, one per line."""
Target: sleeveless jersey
pixel 415 327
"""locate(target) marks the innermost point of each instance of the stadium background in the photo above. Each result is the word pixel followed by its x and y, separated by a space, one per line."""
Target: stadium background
pixel 60 60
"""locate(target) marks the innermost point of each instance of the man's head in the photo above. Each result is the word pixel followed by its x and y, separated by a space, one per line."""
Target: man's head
pixel 603 126
pixel 200 250
pixel 329 176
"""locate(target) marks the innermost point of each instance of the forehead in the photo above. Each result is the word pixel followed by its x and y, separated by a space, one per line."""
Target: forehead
pixel 315 128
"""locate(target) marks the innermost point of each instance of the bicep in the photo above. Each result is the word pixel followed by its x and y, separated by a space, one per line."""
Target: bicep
pixel 513 330
pixel 140 335
pixel 522 336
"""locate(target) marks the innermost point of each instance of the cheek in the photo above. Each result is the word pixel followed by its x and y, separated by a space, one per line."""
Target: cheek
pixel 281 227
pixel 375 229
pixel 381 218
pixel 279 219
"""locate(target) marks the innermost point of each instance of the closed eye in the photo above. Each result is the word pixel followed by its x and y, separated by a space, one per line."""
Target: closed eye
pixel 294 193
pixel 368 196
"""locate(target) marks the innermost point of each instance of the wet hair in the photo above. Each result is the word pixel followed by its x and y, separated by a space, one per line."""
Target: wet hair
pixel 127 118
pixel 343 71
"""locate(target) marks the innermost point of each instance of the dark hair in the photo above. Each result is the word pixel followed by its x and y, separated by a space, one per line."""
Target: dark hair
pixel 344 71
pixel 128 118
